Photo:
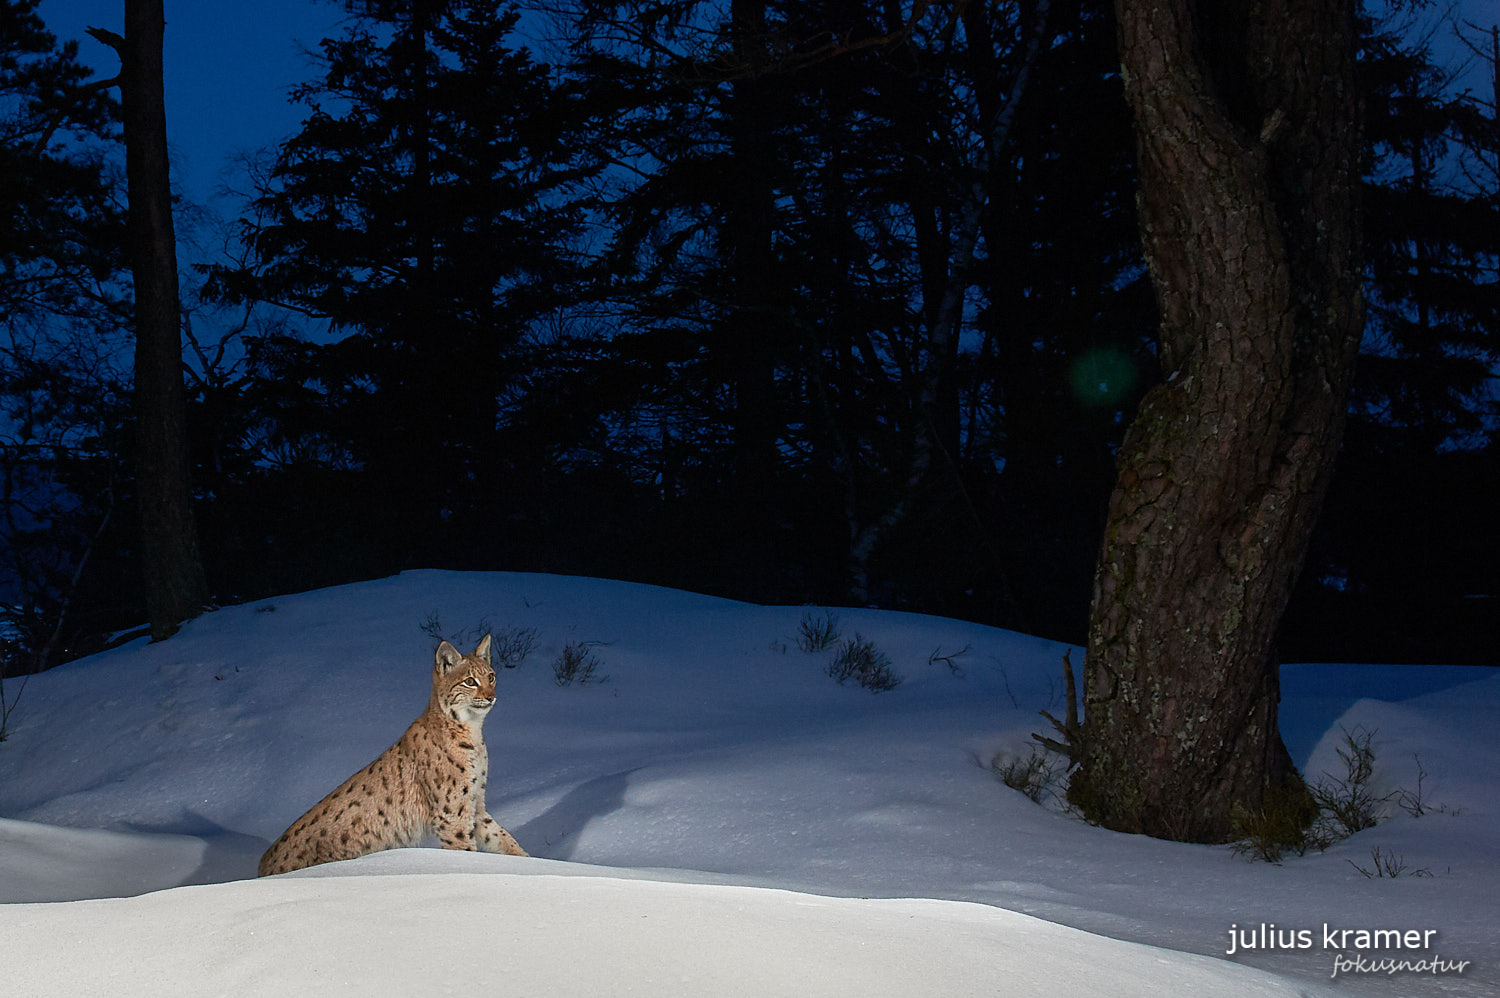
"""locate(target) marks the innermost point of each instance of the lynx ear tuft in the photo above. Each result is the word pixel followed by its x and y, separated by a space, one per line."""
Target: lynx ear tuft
pixel 483 651
pixel 448 657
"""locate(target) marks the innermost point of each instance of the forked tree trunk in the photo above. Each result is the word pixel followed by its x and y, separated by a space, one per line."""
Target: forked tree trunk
pixel 175 586
pixel 1247 124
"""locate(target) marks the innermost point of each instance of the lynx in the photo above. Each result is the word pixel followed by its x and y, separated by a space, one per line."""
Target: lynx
pixel 431 782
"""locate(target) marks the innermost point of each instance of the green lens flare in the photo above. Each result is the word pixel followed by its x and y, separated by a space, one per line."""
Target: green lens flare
pixel 1102 376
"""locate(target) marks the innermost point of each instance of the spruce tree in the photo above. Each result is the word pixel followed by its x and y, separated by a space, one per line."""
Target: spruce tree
pixel 63 305
pixel 1401 568
pixel 420 211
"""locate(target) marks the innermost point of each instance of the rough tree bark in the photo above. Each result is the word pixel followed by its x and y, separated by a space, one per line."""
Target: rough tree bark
pixel 1247 123
pixel 175 583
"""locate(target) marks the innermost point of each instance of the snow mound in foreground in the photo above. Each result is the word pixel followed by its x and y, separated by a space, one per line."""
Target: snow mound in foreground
pixel 540 934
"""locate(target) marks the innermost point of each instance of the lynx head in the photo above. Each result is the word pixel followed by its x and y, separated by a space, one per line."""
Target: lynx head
pixel 463 686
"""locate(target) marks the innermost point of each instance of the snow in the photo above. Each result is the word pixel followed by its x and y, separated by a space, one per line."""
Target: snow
pixel 540 933
pixel 718 817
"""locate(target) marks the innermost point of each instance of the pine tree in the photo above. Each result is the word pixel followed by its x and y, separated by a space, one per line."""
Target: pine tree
pixel 60 232
pixel 1401 567
pixel 62 304
pixel 419 211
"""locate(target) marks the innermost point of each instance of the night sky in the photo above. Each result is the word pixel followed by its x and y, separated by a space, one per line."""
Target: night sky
pixel 228 65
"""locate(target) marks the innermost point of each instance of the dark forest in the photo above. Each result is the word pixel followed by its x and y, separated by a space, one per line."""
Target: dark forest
pixel 829 302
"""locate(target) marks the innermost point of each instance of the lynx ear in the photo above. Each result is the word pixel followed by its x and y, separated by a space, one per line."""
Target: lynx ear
pixel 448 657
pixel 483 651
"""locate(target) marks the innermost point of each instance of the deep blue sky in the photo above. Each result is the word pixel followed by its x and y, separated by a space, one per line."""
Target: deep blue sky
pixel 228 63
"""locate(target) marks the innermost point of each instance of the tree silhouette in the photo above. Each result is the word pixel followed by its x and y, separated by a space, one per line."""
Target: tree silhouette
pixel 176 587
pixel 418 211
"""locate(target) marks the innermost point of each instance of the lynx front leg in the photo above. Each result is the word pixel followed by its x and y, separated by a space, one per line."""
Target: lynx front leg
pixel 492 838
pixel 455 824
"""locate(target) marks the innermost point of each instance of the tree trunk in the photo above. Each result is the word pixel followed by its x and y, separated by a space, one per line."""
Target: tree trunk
pixel 175 585
pixel 1247 124
pixel 755 332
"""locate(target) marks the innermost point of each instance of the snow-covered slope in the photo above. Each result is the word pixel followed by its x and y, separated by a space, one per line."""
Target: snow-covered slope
pixel 716 757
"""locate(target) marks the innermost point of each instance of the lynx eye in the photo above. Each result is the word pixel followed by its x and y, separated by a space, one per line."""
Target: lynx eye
pixel 471 681
pixel 492 677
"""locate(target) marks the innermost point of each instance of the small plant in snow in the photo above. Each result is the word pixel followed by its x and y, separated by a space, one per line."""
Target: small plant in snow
pixel 1415 802
pixel 1281 824
pixel 577 664
pixel 818 632
pixel 950 659
pixel 433 628
pixel 1342 805
pixel 859 661
pixel 1036 775
pixel 510 647
pixel 1387 864
pixel 1331 809
pixel 1348 803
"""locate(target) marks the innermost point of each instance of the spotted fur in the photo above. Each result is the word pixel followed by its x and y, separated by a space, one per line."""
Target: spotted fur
pixel 431 782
